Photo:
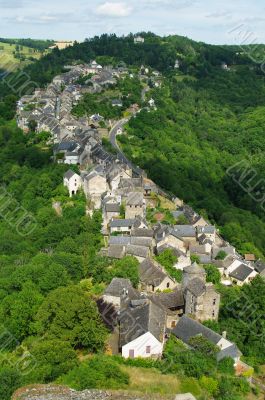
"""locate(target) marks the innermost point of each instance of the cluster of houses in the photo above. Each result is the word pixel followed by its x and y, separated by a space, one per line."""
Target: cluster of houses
pixel 49 109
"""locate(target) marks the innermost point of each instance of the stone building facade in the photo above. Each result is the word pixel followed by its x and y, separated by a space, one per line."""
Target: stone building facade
pixel 201 299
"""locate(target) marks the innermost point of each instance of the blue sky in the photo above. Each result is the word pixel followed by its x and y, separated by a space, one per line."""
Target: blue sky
pixel 216 21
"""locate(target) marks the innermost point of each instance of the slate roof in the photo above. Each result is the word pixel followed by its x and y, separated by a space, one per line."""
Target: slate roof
pixel 194 269
pixel 120 287
pixel 135 199
pixel 150 274
pixel 205 258
pixel 66 146
pixel 198 249
pixel 112 207
pixel 146 317
pixel 187 328
pixel 122 223
pixel 116 251
pixel 185 230
pixel 241 272
pixel 160 231
pixel 260 266
pixel 141 241
pixel 208 229
pixel 196 286
pixel 131 183
pixel 117 285
pixel 69 174
pixel 137 251
pixel 142 232
pixel 120 240
pixel 231 351
pixel 170 300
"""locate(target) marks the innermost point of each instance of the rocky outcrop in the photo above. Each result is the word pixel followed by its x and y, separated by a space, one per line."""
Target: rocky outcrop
pixel 57 392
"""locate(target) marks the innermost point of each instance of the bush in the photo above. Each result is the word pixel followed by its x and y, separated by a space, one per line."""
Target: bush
pixel 226 366
pixel 99 372
pixel 10 380
pixel 209 384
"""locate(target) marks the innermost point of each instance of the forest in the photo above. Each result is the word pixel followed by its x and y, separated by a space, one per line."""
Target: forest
pixel 205 144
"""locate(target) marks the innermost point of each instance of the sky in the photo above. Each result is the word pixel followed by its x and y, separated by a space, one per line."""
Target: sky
pixel 216 21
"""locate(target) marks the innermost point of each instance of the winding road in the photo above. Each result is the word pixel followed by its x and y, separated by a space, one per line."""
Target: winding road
pixel 112 137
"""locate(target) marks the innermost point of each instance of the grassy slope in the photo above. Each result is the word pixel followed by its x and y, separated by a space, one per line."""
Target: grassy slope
pixel 151 381
pixel 9 62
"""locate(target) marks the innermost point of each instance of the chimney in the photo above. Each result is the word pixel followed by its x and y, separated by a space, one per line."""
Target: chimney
pixel 224 334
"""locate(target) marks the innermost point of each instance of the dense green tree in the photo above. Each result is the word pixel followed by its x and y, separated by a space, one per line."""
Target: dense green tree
pixel 53 358
pixel 71 315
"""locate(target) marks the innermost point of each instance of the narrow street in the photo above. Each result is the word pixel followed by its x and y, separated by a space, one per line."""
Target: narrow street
pixel 112 137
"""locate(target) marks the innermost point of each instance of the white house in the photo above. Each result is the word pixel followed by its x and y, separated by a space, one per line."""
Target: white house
pixel 121 225
pixel 243 274
pixel 72 181
pixel 151 102
pixel 138 39
pixel 93 68
pixel 144 346
pixel 142 329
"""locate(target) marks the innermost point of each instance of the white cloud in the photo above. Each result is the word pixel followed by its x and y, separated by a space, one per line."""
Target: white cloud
pixel 111 9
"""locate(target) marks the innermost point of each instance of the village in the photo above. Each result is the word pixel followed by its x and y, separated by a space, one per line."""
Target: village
pixel 135 224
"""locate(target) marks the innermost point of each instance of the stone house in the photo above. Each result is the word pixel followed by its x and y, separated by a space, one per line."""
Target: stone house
pixel 166 236
pixel 172 302
pixel 142 329
pixel 73 182
pixel 137 251
pixel 121 225
pixel 95 185
pixel 187 233
pixel 201 299
pixel 135 205
pixel 208 231
pixel 243 274
pixel 119 291
pixel 111 210
pixel 153 278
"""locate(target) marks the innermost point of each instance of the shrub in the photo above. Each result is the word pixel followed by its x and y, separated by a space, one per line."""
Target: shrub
pixel 99 372
pixel 209 384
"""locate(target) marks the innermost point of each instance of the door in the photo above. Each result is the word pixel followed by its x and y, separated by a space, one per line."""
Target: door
pixel 131 353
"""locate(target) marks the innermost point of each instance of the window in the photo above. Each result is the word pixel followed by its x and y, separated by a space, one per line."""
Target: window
pixel 148 350
pixel 213 313
pixel 168 284
pixel 214 302
pixel 173 324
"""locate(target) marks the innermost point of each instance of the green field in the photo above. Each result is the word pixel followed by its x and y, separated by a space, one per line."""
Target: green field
pixel 15 56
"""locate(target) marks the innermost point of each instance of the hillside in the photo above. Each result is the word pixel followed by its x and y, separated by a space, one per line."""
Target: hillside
pixel 14 56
